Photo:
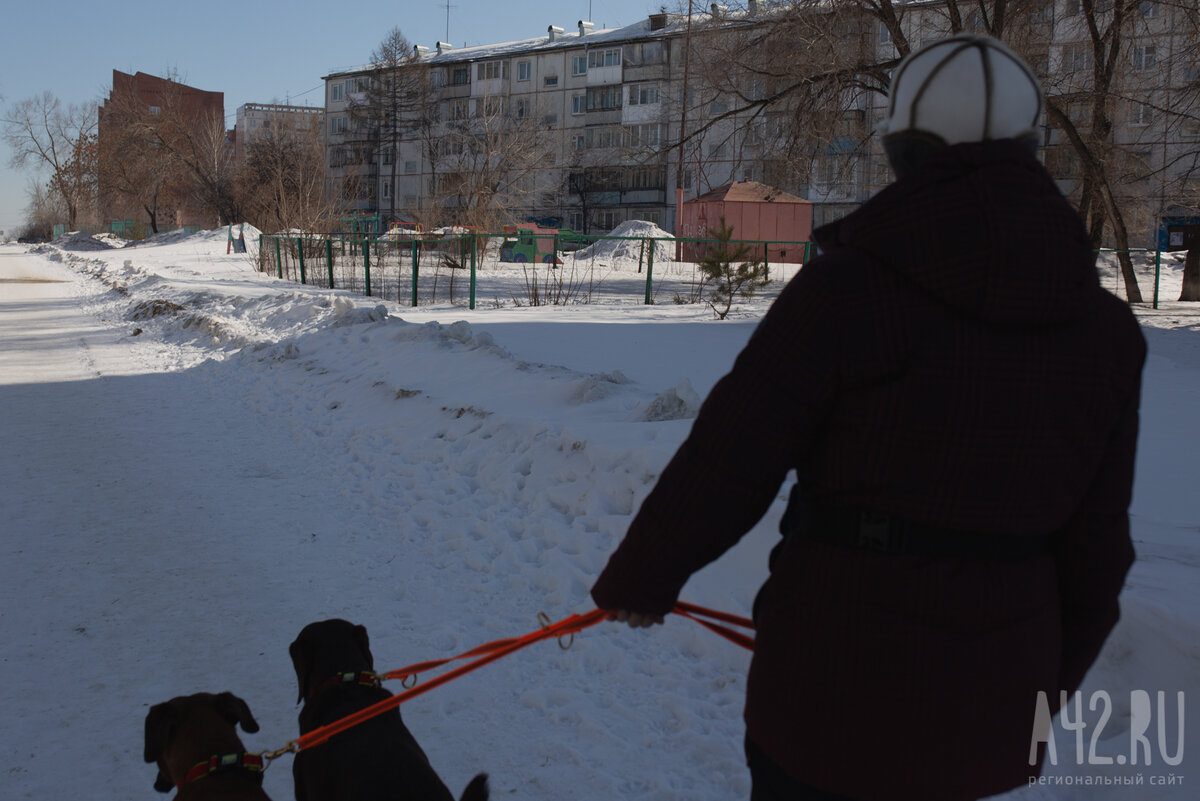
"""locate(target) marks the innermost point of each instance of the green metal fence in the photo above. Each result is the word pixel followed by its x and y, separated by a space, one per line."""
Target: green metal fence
pixel 1147 265
pixel 468 267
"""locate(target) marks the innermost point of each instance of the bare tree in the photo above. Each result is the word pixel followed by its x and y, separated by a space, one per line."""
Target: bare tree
pixel 282 184
pixel 391 103
pixel 45 209
pixel 134 170
pixel 488 163
pixel 44 134
pixel 805 81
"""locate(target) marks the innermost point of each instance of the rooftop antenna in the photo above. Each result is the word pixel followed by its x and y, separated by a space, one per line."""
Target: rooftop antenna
pixel 447 20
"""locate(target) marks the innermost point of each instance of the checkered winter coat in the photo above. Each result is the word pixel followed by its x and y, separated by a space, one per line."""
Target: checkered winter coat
pixel 952 360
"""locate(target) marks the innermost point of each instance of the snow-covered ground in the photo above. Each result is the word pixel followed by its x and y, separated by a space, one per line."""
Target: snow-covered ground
pixel 196 460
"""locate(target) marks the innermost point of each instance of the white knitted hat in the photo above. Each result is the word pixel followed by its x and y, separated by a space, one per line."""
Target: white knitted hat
pixel 964 88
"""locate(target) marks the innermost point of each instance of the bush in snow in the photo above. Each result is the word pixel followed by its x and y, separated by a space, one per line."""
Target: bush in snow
pixel 732 272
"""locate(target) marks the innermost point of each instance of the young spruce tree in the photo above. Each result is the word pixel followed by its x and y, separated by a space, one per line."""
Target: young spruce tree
pixel 732 273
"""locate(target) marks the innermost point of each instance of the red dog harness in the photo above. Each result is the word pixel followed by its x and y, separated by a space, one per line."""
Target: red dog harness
pixel 361 678
pixel 220 763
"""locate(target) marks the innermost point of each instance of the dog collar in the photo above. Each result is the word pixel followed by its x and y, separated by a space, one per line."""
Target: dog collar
pixel 361 678
pixel 219 763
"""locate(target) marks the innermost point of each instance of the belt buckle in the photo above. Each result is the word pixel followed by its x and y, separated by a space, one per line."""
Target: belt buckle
pixel 874 531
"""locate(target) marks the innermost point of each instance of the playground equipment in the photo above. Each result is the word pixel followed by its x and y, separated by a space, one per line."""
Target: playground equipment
pixel 529 242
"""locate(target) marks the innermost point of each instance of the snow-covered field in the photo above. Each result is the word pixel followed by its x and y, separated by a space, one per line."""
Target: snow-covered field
pixel 196 460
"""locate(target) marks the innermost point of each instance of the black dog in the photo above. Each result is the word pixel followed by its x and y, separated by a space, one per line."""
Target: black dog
pixel 193 740
pixel 377 759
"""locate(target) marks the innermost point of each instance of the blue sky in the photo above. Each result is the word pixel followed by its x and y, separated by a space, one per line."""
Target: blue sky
pixel 254 52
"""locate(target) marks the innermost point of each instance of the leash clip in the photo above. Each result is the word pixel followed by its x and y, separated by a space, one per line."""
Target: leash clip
pixel 565 641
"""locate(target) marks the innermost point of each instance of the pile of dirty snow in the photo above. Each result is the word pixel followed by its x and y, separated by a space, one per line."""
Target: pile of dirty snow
pixel 77 240
pixel 627 243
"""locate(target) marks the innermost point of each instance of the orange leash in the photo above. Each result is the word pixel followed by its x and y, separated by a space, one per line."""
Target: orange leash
pixel 490 652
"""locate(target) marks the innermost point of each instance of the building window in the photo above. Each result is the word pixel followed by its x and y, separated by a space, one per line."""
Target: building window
pixel 1145 57
pixel 155 111
pixel 522 107
pixel 410 166
pixel 579 65
pixel 578 104
pixel 885 34
pixel 1139 165
pixel 603 137
pixel 461 76
pixel 1141 114
pixel 643 94
pixel 550 80
pixel 1079 112
pixel 524 71
pixel 335 92
pixel 608 220
pixel 387 189
pixel 718 151
pixel 1149 9
pixel 459 109
pixel 1077 58
pixel 338 125
pixel 609 57
pixel 487 70
pixel 604 98
pixel 647 135
pixel 578 142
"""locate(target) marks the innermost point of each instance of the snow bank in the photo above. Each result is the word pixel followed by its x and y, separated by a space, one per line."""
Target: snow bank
pixel 630 249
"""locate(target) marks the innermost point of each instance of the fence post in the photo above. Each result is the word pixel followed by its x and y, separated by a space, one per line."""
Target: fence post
pixel 649 274
pixel 300 254
pixel 1157 269
pixel 366 264
pixel 807 249
pixel 278 258
pixel 472 301
pixel 767 257
pixel 329 259
pixel 416 261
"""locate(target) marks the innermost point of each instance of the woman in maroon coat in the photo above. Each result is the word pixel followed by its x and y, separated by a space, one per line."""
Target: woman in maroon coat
pixel 959 399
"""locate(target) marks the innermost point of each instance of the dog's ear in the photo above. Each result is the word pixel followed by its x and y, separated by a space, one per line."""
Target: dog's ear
pixel 160 727
pixel 364 643
pixel 301 653
pixel 235 711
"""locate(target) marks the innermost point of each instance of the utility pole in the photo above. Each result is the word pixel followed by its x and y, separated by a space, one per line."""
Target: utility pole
pixel 687 53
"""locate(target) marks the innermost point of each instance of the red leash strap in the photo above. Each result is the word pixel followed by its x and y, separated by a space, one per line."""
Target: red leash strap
pixel 491 652
pixel 698 613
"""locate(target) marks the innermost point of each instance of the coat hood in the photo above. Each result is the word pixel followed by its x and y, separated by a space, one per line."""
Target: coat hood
pixel 982 227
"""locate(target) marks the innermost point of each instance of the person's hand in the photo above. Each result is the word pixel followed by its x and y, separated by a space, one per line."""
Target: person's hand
pixel 636 620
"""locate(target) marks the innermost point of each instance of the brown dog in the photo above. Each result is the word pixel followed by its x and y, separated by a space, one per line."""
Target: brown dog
pixel 377 759
pixel 194 742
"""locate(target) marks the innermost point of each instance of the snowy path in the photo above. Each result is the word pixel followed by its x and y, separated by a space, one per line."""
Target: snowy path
pixel 154 521
pixel 170 530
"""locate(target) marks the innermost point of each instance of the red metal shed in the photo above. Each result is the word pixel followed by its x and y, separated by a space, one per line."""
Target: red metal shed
pixel 757 213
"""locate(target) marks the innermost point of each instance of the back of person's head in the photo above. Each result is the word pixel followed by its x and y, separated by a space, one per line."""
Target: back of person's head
pixel 965 88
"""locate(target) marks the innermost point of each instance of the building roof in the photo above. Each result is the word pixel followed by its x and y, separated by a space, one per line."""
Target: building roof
pixel 673 25
pixel 748 192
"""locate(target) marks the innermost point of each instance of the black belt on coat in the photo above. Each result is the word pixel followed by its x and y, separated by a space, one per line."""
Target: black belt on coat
pixel 853 527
